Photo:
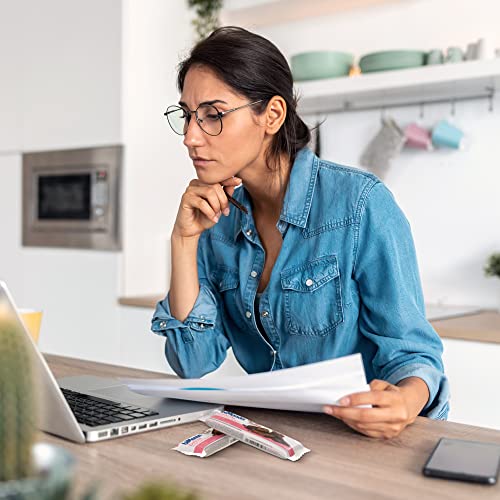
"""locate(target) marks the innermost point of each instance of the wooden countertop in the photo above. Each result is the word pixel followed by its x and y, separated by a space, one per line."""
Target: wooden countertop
pixel 148 301
pixel 342 463
pixel 483 326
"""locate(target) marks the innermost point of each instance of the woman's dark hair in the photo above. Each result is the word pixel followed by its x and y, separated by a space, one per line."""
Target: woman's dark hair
pixel 255 68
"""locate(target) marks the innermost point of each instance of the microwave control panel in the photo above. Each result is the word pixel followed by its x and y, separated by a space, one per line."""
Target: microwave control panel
pixel 100 193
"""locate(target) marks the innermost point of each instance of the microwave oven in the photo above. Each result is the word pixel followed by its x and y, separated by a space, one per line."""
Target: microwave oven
pixel 71 198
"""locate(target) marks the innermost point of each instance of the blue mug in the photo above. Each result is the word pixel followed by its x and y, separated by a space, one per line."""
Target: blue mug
pixel 444 134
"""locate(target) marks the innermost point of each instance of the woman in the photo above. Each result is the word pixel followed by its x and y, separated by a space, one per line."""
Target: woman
pixel 322 264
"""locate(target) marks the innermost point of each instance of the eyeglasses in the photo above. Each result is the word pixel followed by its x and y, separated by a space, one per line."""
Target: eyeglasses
pixel 208 117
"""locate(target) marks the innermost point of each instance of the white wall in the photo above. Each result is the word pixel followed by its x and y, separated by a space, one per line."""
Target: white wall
pixel 10 77
pixel 450 198
pixel 60 88
pixel 156 34
pixel 61 81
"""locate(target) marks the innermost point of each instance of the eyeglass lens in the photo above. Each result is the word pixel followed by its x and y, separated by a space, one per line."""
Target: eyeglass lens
pixel 208 119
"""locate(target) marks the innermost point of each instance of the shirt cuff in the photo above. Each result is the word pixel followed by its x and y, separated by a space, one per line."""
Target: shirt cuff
pixel 203 315
pixel 438 406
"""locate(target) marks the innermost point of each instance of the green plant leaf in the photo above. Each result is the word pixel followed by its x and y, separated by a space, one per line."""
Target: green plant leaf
pixel 493 265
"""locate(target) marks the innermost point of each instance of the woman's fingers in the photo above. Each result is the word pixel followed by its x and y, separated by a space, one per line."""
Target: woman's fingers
pixel 374 397
pixel 363 415
pixel 379 385
pixel 203 206
pixel 212 194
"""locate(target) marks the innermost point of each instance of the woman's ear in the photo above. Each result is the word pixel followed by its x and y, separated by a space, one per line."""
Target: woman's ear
pixel 275 114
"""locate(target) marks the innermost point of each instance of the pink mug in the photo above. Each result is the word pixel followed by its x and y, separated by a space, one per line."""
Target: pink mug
pixel 417 137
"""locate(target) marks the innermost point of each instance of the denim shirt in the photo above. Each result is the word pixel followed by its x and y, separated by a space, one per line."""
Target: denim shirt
pixel 346 281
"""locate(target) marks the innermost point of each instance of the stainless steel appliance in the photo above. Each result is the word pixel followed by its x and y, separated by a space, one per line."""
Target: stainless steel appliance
pixel 71 198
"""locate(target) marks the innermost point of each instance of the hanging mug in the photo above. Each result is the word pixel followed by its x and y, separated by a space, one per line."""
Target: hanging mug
pixel 417 137
pixel 444 134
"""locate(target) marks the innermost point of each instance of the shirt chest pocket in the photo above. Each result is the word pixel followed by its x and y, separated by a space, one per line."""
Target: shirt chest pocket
pixel 312 297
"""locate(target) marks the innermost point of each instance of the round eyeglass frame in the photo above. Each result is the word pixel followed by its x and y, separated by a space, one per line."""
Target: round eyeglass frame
pixel 220 114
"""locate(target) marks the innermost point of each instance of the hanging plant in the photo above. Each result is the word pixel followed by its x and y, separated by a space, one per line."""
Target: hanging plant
pixel 207 16
pixel 493 265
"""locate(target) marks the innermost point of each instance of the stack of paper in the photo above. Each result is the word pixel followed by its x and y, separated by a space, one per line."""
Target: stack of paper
pixel 303 388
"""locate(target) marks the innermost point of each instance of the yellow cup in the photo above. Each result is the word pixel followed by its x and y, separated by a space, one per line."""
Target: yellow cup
pixel 32 319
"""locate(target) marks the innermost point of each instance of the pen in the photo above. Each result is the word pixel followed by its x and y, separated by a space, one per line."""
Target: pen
pixel 237 204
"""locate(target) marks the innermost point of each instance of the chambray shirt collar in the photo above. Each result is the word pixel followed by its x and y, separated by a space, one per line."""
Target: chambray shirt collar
pixel 298 196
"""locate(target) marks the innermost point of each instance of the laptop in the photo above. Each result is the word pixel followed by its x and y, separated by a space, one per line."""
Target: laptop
pixel 87 408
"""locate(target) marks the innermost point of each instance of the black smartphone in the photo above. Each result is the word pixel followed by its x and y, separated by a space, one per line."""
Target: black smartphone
pixel 464 460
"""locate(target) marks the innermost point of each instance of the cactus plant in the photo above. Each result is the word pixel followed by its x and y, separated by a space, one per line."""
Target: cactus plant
pixel 17 402
pixel 158 491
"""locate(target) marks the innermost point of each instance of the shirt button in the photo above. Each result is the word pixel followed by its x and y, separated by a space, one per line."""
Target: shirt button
pixel 309 282
pixel 248 314
pixel 265 314
pixel 249 232
pixel 202 325
pixel 253 274
pixel 273 353
pixel 163 324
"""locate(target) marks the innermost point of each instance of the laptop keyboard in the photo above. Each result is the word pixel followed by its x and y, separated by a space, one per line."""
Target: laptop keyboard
pixel 94 411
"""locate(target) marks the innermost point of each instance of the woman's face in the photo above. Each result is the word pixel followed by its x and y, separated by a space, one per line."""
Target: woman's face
pixel 242 140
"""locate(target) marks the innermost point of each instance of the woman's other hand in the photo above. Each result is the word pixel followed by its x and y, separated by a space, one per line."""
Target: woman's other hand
pixel 202 205
pixel 393 408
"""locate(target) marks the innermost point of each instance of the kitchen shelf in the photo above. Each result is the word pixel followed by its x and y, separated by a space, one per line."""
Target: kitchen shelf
pixel 425 84
pixel 253 13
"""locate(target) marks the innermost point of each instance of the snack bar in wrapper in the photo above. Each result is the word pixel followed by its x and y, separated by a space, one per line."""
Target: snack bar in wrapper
pixel 256 435
pixel 205 444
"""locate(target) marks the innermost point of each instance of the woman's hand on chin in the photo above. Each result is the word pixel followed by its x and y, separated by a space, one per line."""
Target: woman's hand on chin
pixel 201 207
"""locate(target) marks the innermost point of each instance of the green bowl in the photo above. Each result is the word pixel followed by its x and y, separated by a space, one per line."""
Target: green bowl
pixel 392 60
pixel 320 64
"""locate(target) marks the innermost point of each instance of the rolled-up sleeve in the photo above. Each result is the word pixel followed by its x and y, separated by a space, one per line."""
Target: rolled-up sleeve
pixel 392 311
pixel 197 345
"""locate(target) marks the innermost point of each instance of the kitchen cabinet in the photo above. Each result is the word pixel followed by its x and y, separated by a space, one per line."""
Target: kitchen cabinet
pixel 61 85
pixel 473 370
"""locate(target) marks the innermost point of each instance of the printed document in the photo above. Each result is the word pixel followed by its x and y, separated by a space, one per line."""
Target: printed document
pixel 302 388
